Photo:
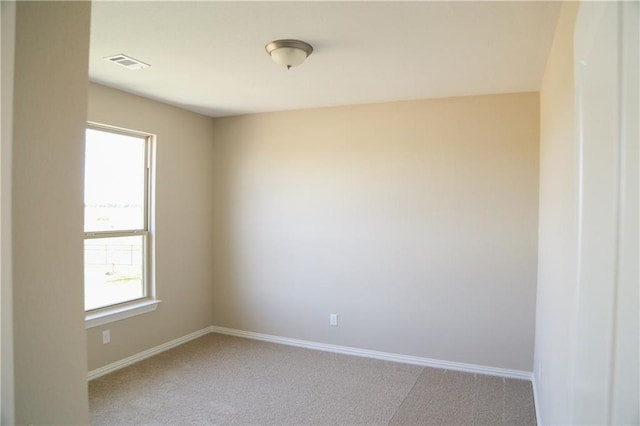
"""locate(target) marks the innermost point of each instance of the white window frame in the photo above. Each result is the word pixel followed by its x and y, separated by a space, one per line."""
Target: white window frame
pixel 149 301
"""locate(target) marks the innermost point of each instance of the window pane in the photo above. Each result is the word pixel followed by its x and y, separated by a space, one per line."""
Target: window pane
pixel 114 181
pixel 113 270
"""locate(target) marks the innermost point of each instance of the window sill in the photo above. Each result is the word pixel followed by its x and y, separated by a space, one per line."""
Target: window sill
pixel 117 313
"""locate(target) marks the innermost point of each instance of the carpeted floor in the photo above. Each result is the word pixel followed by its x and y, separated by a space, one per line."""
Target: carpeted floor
pixel 220 379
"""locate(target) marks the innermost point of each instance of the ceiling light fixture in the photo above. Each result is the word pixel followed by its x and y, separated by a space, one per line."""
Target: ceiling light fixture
pixel 288 53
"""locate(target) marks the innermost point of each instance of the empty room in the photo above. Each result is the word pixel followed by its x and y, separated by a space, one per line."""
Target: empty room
pixel 319 212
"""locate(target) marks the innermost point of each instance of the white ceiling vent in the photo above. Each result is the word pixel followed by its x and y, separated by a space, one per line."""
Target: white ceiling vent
pixel 127 62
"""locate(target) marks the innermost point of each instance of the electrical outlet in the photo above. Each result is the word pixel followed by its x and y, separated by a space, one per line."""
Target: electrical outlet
pixel 106 337
pixel 333 320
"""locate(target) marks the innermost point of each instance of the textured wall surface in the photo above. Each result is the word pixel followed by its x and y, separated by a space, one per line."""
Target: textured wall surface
pixel 50 110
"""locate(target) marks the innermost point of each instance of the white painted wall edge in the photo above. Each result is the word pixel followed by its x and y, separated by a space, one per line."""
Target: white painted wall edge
pixel 536 408
pixel 386 356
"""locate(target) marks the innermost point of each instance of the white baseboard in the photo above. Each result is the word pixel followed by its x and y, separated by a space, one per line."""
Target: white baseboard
pixel 386 356
pixel 94 374
pixel 536 407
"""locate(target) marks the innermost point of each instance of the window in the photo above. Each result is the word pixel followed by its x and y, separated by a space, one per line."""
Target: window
pixel 117 216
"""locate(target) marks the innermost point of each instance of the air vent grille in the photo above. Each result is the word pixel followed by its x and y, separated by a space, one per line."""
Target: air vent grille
pixel 127 62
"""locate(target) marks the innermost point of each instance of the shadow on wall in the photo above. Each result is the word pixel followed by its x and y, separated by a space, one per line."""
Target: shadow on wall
pixel 415 221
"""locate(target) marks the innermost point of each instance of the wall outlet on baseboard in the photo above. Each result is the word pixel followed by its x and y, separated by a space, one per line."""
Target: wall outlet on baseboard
pixel 106 336
pixel 333 320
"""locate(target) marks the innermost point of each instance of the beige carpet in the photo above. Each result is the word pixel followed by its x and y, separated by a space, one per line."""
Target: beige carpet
pixel 219 379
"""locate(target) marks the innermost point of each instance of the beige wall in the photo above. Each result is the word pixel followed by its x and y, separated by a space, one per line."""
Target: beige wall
pixel 558 234
pixel 415 222
pixel 49 112
pixel 7 33
pixel 183 233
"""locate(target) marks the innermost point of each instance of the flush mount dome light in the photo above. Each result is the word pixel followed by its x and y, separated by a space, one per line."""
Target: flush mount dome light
pixel 288 53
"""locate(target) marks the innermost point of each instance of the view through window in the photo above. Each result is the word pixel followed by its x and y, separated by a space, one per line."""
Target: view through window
pixel 116 210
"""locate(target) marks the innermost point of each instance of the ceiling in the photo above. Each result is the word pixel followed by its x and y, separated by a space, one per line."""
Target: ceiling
pixel 209 57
